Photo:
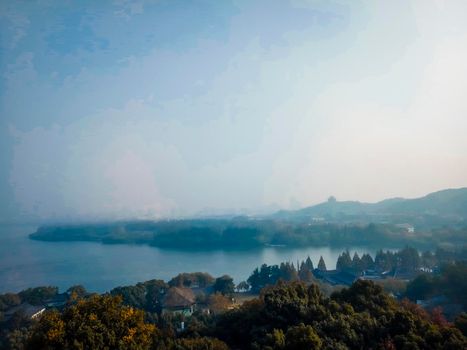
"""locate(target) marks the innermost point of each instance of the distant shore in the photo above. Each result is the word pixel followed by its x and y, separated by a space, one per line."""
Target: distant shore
pixel 240 234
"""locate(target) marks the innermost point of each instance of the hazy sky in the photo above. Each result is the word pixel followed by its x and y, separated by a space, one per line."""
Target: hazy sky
pixel 167 108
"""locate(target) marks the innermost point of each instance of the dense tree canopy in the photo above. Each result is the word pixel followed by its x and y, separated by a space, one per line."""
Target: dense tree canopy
pixel 147 295
pixel 38 295
pixel 288 315
pixel 291 311
pixel 362 316
pixel 451 282
pixel 245 233
pixel 101 322
pixel 200 279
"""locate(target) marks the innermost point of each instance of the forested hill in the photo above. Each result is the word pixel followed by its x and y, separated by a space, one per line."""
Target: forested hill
pixel 436 219
pixel 450 205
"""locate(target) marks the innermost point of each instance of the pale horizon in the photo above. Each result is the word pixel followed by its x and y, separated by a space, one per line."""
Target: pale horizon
pixel 157 110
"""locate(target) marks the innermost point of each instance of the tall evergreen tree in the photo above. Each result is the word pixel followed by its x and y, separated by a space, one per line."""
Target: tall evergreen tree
pixel 288 272
pixel 344 262
pixel 255 280
pixel 309 263
pixel 322 264
pixel 408 258
pixel 357 263
pixel 384 261
pixel 305 273
pixel 367 262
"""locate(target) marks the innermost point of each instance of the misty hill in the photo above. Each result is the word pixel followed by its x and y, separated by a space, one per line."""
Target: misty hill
pixel 446 205
pixel 438 218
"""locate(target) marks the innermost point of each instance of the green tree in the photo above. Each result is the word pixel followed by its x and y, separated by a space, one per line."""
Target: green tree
pixel 202 279
pixel 422 287
pixel 134 296
pixel 365 296
pixel 367 262
pixel 305 274
pixel 409 259
pixel 255 280
pixel 203 343
pixel 38 295
pixel 76 292
pixel 384 261
pixel 8 300
pixel 287 272
pixel 224 285
pixel 453 281
pixel 357 263
pixel 243 286
pixel 275 340
pixel 321 264
pixel 16 339
pixel 155 290
pixel 344 262
pixel 461 323
pixel 360 317
pixel 309 263
pixel 302 337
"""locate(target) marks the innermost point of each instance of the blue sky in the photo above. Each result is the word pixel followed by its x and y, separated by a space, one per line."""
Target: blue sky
pixel 149 109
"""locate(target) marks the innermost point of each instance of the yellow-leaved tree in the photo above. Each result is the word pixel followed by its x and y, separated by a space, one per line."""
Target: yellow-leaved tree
pixel 100 322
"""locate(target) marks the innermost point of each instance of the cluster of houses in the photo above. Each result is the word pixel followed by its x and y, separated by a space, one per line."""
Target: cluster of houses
pixel 347 277
pixel 182 300
pixel 176 300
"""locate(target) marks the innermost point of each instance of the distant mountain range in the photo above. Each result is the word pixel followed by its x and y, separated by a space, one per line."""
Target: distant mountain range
pixel 450 204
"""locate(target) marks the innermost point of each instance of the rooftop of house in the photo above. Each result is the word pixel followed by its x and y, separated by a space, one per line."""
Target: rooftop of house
pixel 335 277
pixel 177 297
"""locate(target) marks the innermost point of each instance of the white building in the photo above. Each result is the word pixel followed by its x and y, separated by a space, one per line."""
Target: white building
pixel 409 228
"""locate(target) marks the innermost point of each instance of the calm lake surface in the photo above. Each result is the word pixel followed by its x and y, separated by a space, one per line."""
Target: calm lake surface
pixel 100 267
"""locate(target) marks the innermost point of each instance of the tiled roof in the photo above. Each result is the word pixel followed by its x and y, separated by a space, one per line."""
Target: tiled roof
pixel 179 297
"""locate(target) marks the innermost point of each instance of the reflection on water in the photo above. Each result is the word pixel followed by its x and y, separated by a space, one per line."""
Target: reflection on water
pixel 27 263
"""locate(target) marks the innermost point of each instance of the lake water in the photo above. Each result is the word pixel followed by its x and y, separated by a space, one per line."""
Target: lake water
pixel 99 267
